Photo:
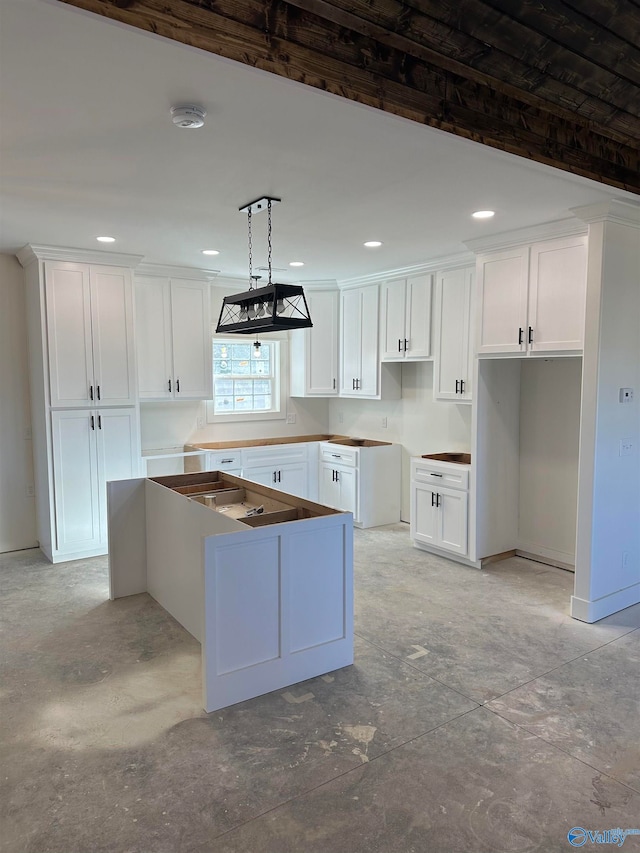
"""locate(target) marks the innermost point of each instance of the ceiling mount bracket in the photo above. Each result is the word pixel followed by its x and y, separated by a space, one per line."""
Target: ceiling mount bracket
pixel 259 204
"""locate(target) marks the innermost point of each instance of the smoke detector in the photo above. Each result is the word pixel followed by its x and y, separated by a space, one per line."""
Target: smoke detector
pixel 188 115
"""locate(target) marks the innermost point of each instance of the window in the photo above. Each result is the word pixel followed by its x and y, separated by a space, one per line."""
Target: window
pixel 245 380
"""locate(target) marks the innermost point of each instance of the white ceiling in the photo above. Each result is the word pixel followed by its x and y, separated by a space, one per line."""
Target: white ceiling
pixel 88 148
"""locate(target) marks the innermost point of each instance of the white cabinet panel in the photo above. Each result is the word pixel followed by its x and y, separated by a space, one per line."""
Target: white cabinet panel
pixel 338 487
pixel 314 352
pixel 424 515
pixel 368 380
pixel 117 454
pixel 439 512
pixel 453 508
pixel 557 291
pixel 502 301
pixel 112 331
pixel 173 337
pixel 453 363
pixel 351 338
pixel 406 319
pixel 90 335
pixel 77 500
pixel 191 336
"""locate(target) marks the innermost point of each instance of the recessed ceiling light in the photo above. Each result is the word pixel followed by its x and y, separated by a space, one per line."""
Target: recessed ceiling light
pixel 373 244
pixel 106 239
pixel 483 214
pixel 296 263
pixel 210 252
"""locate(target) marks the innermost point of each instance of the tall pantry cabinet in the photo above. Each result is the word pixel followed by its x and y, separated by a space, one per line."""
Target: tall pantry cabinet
pixel 83 391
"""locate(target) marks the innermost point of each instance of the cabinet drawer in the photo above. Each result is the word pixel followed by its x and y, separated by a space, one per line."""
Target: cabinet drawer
pixel 274 454
pixel 447 475
pixel 337 455
pixel 221 460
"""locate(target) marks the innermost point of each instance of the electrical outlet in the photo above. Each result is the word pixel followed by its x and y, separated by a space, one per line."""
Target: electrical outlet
pixel 291 418
pixel 626 395
pixel 200 423
pixel 340 417
pixel 626 447
pixel 625 559
pixel 27 434
pixel 384 423
pixel 30 491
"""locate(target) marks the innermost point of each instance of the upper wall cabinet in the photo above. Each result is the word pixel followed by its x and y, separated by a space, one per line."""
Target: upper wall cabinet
pixel 173 338
pixel 453 362
pixel 532 298
pixel 314 352
pixel 89 312
pixel 406 319
pixel 361 373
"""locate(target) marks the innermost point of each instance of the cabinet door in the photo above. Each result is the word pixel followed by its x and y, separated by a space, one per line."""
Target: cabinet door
pixel 351 338
pixel 453 361
pixel 322 344
pixel 424 515
pixel 153 338
pixel 418 317
pixel 452 521
pixel 191 338
pixel 116 432
pixel 557 291
pixel 329 487
pixel 348 490
pixel 112 333
pixel 502 301
pixel 68 300
pixel 75 473
pixel 393 332
pixel 293 479
pixel 369 358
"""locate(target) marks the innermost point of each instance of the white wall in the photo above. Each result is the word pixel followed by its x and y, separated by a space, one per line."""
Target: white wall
pixel 608 541
pixel 415 421
pixel 549 441
pixel 17 510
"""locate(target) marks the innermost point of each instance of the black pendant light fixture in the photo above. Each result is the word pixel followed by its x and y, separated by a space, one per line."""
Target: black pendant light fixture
pixel 271 308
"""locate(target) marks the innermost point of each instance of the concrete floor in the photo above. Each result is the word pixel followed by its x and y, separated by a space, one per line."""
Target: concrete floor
pixel 478 717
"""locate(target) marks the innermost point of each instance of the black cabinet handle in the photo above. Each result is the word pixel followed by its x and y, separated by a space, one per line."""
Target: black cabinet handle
pixel 279 476
pixel 530 335
pixel 98 391
pixel 520 336
pixel 169 386
pixel 457 383
pixel 462 386
pixel 274 477
pixel 99 421
pixel 406 344
pixel 437 500
pixel 334 384
pixel 357 384
pixel 226 461
pixel 178 385
pixel 433 498
pixel 399 344
pixel 91 392
pixel 337 476
pixel 93 423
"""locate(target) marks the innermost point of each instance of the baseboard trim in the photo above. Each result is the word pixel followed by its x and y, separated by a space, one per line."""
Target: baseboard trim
pixel 593 611
pixel 547 561
pixel 497 558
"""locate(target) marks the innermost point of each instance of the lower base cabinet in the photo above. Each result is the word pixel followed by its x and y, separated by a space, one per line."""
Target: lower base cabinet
pixel 439 512
pixel 90 447
pixel 338 487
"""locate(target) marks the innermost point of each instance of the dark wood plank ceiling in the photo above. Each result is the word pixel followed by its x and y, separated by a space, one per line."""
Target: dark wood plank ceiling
pixel 557 81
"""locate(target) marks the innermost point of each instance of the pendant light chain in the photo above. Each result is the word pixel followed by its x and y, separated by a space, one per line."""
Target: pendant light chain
pixel 269 236
pixel 250 251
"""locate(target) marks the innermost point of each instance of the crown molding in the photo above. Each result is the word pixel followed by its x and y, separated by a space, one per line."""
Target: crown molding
pixel 34 252
pixel 168 271
pixel 570 227
pixel 615 210
pixel 459 259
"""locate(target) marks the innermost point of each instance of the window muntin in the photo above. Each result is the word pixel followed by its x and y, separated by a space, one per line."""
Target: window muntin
pixel 244 382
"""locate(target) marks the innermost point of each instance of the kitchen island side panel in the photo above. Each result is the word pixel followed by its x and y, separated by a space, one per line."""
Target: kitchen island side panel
pixel 278 607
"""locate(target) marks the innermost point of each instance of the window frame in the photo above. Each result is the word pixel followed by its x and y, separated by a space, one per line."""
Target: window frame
pixel 279 396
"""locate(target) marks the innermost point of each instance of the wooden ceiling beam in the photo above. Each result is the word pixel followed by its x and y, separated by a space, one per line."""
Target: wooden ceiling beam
pixel 379 70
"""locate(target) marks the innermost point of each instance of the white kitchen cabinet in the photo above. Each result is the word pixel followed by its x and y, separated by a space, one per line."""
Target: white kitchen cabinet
pixel 283 467
pixel 439 505
pixel 532 298
pixel 361 477
pixel 362 374
pixel 90 448
pixel 89 321
pixel 173 338
pixel 453 361
pixel 406 319
pixel 314 352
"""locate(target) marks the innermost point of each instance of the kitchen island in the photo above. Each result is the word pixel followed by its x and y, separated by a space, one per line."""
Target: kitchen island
pixel 263 580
